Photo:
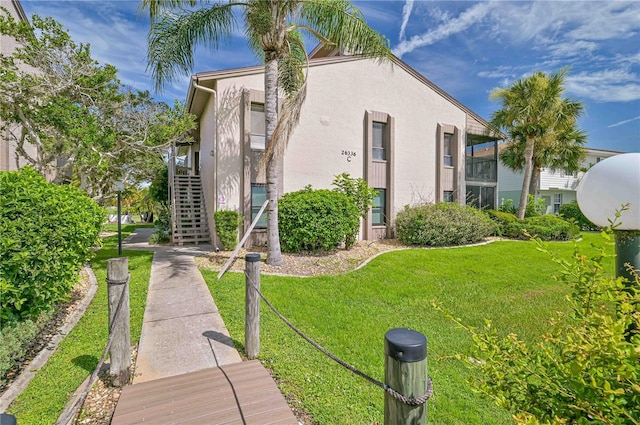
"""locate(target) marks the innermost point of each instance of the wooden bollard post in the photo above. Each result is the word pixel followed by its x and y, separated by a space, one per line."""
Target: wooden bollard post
pixel 405 370
pixel 252 306
pixel 120 350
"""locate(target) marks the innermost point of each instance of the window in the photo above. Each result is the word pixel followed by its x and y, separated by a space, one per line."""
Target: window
pixel 379 140
pixel 557 201
pixel 258 126
pixel 448 196
pixel 258 196
pixel 448 149
pixel 378 216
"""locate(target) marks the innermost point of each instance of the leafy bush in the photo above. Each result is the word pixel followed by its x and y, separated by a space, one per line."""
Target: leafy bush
pixel 312 220
pixel 571 212
pixel 508 206
pixel 227 223
pixel 502 220
pixel 442 224
pixel 586 370
pixel 546 227
pixel 362 196
pixel 160 236
pixel 46 231
pixel 535 207
pixel 15 338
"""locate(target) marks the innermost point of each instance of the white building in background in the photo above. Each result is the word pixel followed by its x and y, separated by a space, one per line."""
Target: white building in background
pixel 556 187
pixel 385 123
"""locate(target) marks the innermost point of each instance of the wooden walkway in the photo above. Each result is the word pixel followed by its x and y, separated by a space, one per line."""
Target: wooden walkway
pixel 239 393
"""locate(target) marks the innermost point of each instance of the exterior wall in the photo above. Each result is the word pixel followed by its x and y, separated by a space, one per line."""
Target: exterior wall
pixel 332 120
pixel 333 136
pixel 208 164
pixel 551 182
pixel 8 159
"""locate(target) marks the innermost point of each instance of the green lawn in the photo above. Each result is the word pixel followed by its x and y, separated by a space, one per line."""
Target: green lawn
pixel 79 353
pixel 508 282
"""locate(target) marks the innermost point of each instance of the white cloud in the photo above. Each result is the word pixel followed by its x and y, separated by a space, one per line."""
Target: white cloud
pixel 453 26
pixel 406 14
pixel 624 122
pixel 611 85
pixel 572 48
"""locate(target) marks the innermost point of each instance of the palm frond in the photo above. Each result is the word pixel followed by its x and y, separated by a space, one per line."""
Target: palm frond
pixel 291 68
pixel 155 7
pixel 343 26
pixel 173 38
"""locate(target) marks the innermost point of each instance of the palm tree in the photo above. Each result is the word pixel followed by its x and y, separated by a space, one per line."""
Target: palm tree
pixel 564 151
pixel 534 110
pixel 273 30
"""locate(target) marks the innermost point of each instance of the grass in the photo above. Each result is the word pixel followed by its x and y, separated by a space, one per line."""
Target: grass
pixel 79 353
pixel 507 282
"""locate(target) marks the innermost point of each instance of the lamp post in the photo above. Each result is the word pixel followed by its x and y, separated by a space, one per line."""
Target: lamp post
pixel 603 190
pixel 119 187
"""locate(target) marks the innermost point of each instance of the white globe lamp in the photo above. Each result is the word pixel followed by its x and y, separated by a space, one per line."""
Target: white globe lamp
pixel 602 192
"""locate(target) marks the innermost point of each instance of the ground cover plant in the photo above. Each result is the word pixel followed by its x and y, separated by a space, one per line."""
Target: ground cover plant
pixel 78 354
pixel 349 314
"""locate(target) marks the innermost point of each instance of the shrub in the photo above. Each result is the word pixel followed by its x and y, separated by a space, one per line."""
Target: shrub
pixel 535 207
pixel 360 194
pixel 571 212
pixel 585 370
pixel 160 236
pixel 442 224
pixel 227 223
pixel 546 227
pixel 502 220
pixel 312 220
pixel 46 231
pixel 508 206
pixel 15 339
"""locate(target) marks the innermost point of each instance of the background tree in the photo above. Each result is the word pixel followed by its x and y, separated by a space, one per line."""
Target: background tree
pixel 536 116
pixel 562 152
pixel 86 127
pixel 272 28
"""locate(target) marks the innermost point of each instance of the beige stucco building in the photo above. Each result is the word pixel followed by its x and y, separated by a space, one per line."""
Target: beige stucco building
pixel 385 123
pixel 8 158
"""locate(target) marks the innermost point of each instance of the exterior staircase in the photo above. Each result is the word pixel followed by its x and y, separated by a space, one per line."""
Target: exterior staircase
pixel 189 214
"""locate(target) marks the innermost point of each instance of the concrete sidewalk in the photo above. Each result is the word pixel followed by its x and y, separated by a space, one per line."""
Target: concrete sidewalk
pixel 182 330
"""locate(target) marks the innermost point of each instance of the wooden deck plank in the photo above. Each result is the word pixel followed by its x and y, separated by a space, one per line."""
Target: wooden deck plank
pixel 240 393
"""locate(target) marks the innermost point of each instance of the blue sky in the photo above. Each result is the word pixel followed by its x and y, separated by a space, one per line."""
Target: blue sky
pixel 466 48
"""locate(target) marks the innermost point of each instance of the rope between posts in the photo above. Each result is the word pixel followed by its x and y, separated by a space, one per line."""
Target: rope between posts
pixel 410 401
pixel 80 401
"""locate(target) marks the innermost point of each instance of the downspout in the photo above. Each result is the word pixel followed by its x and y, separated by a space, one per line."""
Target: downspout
pixel 215 151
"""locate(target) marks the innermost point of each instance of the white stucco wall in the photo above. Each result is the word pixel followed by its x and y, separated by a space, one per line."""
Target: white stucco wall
pixel 330 138
pixel 332 124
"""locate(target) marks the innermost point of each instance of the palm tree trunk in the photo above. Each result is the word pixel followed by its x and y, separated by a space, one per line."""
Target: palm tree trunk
pixel 533 185
pixel 526 180
pixel 274 255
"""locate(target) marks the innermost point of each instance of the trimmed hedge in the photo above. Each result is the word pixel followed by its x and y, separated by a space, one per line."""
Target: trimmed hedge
pixel 46 231
pixel 502 220
pixel 571 212
pixel 313 220
pixel 227 223
pixel 442 224
pixel 546 227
